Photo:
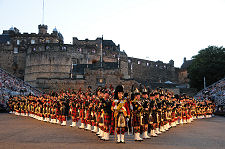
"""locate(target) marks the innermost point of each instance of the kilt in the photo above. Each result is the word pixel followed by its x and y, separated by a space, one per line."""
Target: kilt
pixel 145 119
pixel 153 117
pixel 99 119
pixel 82 113
pixel 173 115
pixel 88 115
pixel 136 120
pixel 74 112
pixel 63 118
pixel 107 119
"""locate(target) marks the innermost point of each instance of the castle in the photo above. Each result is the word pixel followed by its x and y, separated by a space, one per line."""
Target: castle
pixel 44 61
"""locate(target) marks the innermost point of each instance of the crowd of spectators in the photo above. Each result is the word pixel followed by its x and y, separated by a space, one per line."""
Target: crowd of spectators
pixel 214 92
pixel 11 86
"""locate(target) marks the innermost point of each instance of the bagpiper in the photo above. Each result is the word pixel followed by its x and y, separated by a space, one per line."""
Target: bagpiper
pixel 137 115
pixel 107 103
pixel 146 112
pixel 121 113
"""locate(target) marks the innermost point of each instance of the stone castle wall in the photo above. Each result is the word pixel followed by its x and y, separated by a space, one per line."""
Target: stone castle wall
pixel 14 63
pixel 145 71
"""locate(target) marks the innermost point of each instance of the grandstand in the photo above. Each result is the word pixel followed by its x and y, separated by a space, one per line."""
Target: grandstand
pixel 214 92
pixel 11 85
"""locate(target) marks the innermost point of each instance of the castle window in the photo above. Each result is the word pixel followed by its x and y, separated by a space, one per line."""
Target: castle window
pixel 156 65
pixel 147 64
pixel 32 41
pixel 63 48
pixel 79 50
pixel 129 61
pixel 15 50
pixel 18 42
pixel 139 62
pixel 8 42
pixel 93 51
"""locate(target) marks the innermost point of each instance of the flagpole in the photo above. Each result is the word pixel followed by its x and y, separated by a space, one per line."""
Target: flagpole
pixel 101 59
pixel 204 83
pixel 43 13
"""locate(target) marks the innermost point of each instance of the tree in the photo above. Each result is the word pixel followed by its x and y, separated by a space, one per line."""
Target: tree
pixel 208 63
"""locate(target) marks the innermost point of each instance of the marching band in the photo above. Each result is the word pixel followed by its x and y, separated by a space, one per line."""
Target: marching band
pixel 143 112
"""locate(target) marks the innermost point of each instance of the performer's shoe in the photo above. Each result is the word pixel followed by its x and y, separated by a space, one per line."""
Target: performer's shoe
pixel 98 133
pixel 153 134
pixel 54 121
pixel 157 131
pixel 63 123
pixel 106 136
pixel 73 124
pixel 169 126
pixel 82 126
pixel 162 129
pixel 101 134
pixel 145 135
pixel 137 137
pixel 122 138
pixel 88 127
pixel 189 121
pixel 41 119
pixel 181 121
pixel 95 130
pixel 118 138
pixel 166 127
pixel 173 124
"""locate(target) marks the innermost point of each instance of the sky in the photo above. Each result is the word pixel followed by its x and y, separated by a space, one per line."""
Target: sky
pixel 148 29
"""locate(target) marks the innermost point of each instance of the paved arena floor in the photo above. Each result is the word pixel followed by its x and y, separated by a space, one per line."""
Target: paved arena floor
pixel 26 133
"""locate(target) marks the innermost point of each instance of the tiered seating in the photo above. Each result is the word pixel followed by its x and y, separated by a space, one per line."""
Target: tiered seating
pixel 214 92
pixel 11 85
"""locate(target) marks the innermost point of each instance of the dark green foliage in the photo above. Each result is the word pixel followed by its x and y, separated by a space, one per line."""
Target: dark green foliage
pixel 209 63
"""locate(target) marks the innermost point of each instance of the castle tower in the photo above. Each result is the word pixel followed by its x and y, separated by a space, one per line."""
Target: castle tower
pixel 42 29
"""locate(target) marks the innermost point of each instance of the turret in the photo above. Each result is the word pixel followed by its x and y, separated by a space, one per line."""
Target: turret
pixel 42 29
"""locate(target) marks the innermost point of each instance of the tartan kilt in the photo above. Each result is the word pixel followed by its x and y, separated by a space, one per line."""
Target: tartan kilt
pixel 98 117
pixel 63 118
pixel 154 118
pixel 88 115
pixel 136 120
pixel 81 114
pixel 173 115
pixel 107 119
pixel 74 112
pixel 145 119
pixel 93 117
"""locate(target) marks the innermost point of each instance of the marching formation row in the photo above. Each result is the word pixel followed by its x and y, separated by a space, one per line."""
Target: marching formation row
pixel 106 112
